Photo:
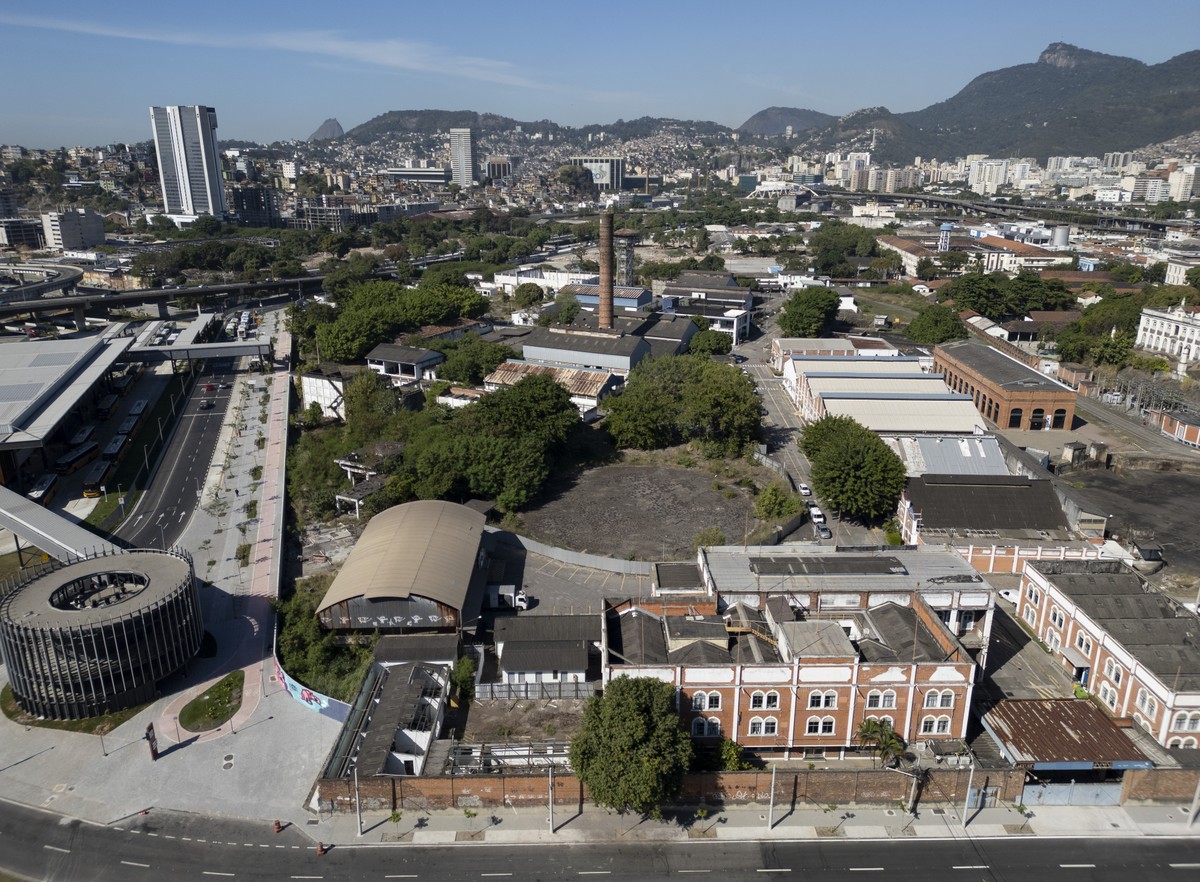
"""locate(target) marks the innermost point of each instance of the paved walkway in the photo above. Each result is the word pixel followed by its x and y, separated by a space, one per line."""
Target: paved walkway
pixel 748 823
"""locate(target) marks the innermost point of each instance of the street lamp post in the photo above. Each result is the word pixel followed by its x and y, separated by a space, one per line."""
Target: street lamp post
pixel 160 437
pixel 162 534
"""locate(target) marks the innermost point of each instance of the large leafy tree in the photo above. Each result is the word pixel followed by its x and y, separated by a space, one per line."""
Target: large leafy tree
pixel 675 399
pixel 936 324
pixel 631 752
pixel 471 358
pixel 708 342
pixel 852 469
pixel 809 312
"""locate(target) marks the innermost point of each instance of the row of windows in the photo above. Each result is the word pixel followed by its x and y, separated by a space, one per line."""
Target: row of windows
pixel 1182 742
pixel 1185 722
pixel 822 700
pixel 711 727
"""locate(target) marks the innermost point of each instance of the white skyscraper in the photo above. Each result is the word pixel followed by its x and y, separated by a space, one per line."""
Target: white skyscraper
pixel 462 157
pixel 189 166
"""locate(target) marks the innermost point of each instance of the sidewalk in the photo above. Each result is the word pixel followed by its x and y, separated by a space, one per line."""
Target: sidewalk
pixel 510 826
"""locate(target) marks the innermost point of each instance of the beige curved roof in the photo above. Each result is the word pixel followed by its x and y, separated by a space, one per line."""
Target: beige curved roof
pixel 427 548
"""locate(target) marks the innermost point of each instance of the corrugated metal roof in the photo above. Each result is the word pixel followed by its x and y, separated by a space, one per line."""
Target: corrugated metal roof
pixel 914 415
pixel 1057 731
pixel 948 455
pixel 854 364
pixel 427 548
pixel 878 384
pixel 985 502
pixel 577 381
pixel 997 367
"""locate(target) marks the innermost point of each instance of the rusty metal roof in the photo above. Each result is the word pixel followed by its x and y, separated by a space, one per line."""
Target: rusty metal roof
pixel 1060 733
pixel 577 381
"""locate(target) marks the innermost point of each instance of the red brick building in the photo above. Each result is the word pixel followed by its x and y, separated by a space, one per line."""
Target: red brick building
pixel 1010 394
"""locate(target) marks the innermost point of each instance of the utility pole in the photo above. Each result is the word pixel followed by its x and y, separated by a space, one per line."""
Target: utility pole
pixel 967 801
pixel 771 810
pixel 551 796
pixel 357 802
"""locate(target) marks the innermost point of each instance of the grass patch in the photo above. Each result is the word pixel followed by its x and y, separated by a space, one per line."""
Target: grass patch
pixel 260 442
pixel 243 554
pixel 252 509
pixel 215 706
pixel 256 473
pixel 101 725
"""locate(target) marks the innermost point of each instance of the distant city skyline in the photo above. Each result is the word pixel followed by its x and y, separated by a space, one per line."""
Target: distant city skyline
pixel 276 70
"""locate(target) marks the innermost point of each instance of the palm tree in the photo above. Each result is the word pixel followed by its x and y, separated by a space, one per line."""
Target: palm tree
pixel 881 738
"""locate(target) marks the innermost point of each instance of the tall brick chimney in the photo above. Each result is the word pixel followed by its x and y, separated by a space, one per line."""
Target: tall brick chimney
pixel 606 270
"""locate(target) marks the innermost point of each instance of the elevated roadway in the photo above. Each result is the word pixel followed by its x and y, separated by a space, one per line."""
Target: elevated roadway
pixel 49 277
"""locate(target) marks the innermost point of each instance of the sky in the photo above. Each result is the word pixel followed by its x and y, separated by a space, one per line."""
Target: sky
pixel 84 73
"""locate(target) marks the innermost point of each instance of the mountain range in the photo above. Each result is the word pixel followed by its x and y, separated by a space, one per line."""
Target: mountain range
pixel 1071 101
pixel 327 131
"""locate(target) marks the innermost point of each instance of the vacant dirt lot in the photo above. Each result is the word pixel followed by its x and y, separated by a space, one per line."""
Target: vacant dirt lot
pixel 647 512
pixel 524 720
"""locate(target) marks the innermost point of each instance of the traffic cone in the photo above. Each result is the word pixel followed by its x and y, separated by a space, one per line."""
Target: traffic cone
pixel 278 826
pixel 321 849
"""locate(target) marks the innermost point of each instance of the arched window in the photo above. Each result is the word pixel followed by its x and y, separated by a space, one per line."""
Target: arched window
pixel 698 726
pixel 1185 722
pixel 713 729
pixel 1057 619
pixel 822 699
pixel 933 698
pixel 1014 418
pixel 1108 695
pixel 1060 419
pixel 757 701
pixel 935 725
pixel 1147 703
pixel 813 726
pixel 772 700
pixel 770 726
pixel 1037 419
pixel 1113 671
pixel 756 726
pixel 699 700
pixel 827 725
pixel 714 701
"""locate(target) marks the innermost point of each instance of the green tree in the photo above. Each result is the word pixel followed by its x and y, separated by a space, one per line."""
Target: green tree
pixel 528 294
pixel 369 396
pixel 462 678
pixel 631 751
pixel 675 399
pixel 852 469
pixel 926 269
pixel 883 740
pixel 775 503
pixel 953 262
pixel 710 343
pixel 1193 277
pixel 733 758
pixel 936 324
pixel 809 312
pixel 707 537
pixel 470 358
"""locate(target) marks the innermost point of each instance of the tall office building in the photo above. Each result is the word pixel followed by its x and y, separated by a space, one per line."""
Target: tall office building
pixel 462 157
pixel 189 165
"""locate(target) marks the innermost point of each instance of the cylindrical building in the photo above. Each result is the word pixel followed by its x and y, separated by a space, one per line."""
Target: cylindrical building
pixel 96 636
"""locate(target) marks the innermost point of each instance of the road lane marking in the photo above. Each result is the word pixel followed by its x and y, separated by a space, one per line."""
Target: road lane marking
pixel 485 875
pixel 135 864
pixel 215 873
pixel 595 872
pixel 773 870
pixel 405 876
pixel 694 871
pixel 308 877
pixel 1078 866
pixel 970 867
pixel 865 869
pixel 56 848
pixel 1184 866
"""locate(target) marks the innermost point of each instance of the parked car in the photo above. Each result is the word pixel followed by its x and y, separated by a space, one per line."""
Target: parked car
pixel 823 532
pixel 805 490
pixel 818 516
pixel 205 404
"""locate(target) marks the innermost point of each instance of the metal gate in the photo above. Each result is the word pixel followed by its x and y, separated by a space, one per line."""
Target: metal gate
pixel 1108 793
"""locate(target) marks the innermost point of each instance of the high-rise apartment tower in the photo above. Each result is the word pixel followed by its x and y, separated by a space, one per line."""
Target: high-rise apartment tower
pixel 189 165
pixel 462 157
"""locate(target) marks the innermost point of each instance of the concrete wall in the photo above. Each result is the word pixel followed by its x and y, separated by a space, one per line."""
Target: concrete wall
pixel 578 558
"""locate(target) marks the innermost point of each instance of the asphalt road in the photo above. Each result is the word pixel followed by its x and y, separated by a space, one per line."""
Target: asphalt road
pixel 162 512
pixel 40 846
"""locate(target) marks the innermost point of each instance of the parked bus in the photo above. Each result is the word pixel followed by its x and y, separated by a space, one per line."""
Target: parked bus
pixel 84 435
pixel 76 457
pixel 128 426
pixel 139 408
pixel 122 384
pixel 45 488
pixel 106 406
pixel 93 481
pixel 116 447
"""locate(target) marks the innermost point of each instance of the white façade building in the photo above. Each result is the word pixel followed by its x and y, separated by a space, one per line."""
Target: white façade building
pixel 1173 332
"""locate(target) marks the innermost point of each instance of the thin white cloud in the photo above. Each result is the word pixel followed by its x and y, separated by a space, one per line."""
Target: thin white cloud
pixel 391 54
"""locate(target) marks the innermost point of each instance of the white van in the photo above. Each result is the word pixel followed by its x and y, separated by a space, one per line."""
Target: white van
pixel 818 516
